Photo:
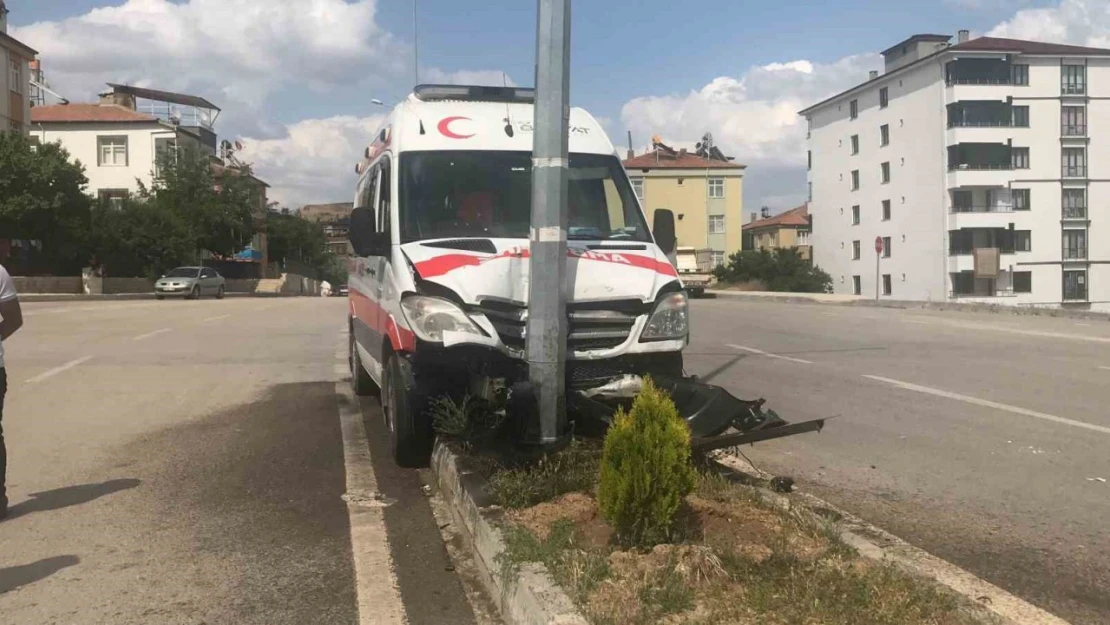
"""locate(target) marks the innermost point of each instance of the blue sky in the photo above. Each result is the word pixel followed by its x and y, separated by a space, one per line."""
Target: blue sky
pixel 293 85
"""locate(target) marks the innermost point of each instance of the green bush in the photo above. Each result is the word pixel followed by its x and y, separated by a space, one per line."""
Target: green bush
pixel 645 469
pixel 781 269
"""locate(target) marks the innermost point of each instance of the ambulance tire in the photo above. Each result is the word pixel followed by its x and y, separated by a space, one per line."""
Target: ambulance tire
pixel 410 428
pixel 361 382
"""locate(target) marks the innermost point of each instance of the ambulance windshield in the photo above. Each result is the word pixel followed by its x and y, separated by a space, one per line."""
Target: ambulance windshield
pixel 449 194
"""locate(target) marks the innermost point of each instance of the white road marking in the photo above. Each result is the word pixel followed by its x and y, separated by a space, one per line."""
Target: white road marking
pixel 991 404
pixel 770 355
pixel 1104 368
pixel 918 321
pixel 143 337
pixel 56 370
pixel 379 597
pixel 216 318
pixel 1015 330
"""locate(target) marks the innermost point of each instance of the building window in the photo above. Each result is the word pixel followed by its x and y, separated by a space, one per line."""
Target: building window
pixel 884 135
pixel 809 160
pixel 1074 163
pixel 809 192
pixel 1019 158
pixel 113 197
pixel 1075 245
pixel 884 98
pixel 1023 282
pixel 1075 285
pixel 716 187
pixel 886 284
pixel 885 172
pixel 638 188
pixel 803 237
pixel 855 144
pixel 855 250
pixel 15 71
pixel 855 179
pixel 1075 203
pixel 857 287
pixel 1021 116
pixel 853 108
pixel 1023 241
pixel 886 210
pixel 1073 79
pixel 1073 122
pixel 855 215
pixel 718 259
pixel 112 151
pixel 1020 199
pixel 716 224
pixel 1019 74
pixel 886 247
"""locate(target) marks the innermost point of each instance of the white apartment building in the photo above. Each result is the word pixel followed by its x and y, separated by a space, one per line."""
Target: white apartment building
pixel 118 139
pixel 15 87
pixel 983 169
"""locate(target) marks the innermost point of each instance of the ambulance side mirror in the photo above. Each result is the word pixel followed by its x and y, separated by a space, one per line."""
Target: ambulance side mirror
pixel 663 230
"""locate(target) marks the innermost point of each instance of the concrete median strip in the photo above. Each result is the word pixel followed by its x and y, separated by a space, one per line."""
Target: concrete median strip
pixel 532 597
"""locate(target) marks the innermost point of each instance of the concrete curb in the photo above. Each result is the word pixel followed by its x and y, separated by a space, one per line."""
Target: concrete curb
pixel 532 598
pixel 808 298
pixel 877 544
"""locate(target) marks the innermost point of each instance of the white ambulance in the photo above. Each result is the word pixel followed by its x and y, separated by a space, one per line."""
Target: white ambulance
pixel 438 290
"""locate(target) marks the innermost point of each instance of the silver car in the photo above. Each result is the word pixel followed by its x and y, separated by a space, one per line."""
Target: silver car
pixel 190 282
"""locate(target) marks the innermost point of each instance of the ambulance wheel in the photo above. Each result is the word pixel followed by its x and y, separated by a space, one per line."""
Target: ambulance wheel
pixel 361 382
pixel 410 428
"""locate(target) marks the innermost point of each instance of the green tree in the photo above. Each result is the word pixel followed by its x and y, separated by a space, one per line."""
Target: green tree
pixel 293 238
pixel 781 269
pixel 141 238
pixel 42 197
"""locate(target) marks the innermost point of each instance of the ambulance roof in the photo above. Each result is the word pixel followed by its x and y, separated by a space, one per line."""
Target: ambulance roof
pixel 453 117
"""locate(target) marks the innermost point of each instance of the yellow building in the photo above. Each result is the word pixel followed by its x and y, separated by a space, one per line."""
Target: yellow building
pixel 788 229
pixel 705 194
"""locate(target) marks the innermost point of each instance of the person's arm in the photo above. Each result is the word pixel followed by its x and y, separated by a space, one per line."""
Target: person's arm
pixel 12 318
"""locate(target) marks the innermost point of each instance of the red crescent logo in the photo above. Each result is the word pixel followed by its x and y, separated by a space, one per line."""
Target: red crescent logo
pixel 445 128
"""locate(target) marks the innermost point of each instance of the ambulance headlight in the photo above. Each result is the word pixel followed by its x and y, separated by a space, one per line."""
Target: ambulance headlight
pixel 430 317
pixel 670 319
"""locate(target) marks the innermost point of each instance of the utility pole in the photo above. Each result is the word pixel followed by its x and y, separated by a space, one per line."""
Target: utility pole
pixel 546 345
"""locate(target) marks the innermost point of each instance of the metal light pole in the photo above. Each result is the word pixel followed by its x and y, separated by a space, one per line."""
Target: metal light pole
pixel 546 345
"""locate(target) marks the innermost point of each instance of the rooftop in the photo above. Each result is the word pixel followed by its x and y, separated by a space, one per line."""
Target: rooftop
pixel 662 156
pixel 164 96
pixel 7 41
pixel 86 113
pixel 997 44
pixel 918 38
pixel 794 217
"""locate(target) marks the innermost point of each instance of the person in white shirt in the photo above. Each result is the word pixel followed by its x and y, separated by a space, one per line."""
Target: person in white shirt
pixel 11 319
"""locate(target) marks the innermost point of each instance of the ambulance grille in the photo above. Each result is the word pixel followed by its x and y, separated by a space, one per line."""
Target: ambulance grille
pixel 592 325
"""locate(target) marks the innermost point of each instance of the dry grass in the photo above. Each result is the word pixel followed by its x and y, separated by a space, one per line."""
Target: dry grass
pixel 745 562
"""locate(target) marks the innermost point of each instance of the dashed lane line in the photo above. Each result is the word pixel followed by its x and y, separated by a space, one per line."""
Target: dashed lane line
pixel 760 352
pixel 217 318
pixel 56 370
pixel 143 337
pixel 990 404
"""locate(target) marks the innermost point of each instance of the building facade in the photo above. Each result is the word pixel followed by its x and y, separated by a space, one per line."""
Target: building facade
pixel 969 172
pixel 791 228
pixel 335 219
pixel 15 79
pixel 705 194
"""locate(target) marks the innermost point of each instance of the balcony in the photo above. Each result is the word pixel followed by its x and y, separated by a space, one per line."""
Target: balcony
pixel 1073 88
pixel 1073 130
pixel 1074 254
pixel 1075 212
pixel 1073 171
pixel 969 71
pixel 997 207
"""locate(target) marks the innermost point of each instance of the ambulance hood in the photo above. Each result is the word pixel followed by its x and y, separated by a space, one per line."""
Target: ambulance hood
pixel 609 271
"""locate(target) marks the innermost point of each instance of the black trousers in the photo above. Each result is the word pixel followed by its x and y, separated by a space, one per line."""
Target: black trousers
pixel 3 450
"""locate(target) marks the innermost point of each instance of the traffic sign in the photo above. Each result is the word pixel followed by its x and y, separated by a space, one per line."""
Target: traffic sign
pixel 878 245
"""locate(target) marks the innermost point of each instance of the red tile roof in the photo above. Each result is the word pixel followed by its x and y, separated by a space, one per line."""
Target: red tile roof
pixel 997 44
pixel 76 113
pixel 794 217
pixel 680 160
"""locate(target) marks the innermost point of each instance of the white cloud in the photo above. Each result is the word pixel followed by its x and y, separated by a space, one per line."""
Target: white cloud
pixel 1076 22
pixel 753 117
pixel 314 161
pixel 228 50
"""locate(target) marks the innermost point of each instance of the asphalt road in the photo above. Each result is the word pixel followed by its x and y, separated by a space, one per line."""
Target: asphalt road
pixel 977 437
pixel 183 463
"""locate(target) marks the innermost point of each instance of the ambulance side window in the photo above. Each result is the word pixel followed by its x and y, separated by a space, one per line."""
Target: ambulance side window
pixel 384 196
pixel 367 196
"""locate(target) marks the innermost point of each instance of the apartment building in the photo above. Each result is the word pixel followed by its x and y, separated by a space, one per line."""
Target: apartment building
pixel 119 138
pixel 15 76
pixel 976 171
pixel 705 192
